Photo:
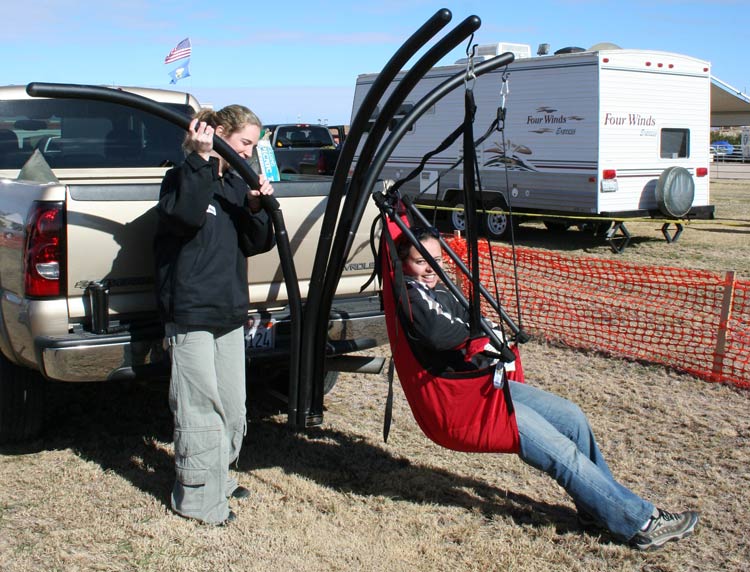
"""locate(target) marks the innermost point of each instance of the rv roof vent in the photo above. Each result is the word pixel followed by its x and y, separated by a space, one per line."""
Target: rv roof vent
pixel 601 46
pixel 569 50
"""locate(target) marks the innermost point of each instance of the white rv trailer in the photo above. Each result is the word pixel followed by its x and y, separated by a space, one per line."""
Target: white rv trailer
pixel 587 135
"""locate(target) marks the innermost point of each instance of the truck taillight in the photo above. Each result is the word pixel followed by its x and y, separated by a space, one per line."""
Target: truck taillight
pixel 701 171
pixel 44 250
pixel 321 164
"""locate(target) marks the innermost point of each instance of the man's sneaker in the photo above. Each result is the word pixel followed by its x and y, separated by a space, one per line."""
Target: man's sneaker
pixel 665 527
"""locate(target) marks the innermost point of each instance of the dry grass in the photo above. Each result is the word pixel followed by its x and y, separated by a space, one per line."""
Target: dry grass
pixel 92 494
pixel 706 245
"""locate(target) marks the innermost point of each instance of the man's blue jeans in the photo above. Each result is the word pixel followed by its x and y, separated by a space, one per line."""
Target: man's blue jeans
pixel 556 437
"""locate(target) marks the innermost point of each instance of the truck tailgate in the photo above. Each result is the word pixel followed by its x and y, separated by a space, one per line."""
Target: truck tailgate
pixel 111 228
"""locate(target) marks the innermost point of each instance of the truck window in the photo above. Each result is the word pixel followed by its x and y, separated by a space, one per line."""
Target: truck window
pixel 303 136
pixel 87 134
pixel 675 143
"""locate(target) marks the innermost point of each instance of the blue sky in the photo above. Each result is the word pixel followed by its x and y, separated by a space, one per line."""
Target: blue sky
pixel 299 60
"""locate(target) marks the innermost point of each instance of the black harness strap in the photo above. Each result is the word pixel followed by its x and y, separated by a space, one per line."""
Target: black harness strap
pixel 470 212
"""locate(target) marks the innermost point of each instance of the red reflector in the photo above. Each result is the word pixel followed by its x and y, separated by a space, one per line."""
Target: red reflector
pixel 660 65
pixel 605 60
pixel 648 64
pixel 609 174
pixel 701 172
pixel 592 179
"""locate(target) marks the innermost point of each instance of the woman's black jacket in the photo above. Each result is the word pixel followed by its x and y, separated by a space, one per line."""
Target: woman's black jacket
pixel 205 231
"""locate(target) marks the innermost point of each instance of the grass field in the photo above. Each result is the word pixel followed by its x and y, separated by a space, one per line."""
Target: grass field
pixel 93 492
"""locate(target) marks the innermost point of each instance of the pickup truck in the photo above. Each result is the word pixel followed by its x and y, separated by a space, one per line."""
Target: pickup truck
pixel 79 181
pixel 303 148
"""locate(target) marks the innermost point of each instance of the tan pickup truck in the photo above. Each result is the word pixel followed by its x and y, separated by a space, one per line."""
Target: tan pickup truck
pixel 79 181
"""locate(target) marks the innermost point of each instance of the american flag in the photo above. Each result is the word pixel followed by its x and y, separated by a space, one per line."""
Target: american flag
pixel 181 50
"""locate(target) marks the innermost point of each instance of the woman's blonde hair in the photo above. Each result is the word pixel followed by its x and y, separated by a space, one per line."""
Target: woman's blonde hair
pixel 232 118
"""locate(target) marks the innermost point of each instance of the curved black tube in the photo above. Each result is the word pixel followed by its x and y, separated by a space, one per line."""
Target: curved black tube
pixel 350 218
pixel 270 204
pixel 420 108
pixel 311 363
pixel 356 201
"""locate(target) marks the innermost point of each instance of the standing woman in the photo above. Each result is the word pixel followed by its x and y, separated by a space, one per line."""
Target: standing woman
pixel 209 223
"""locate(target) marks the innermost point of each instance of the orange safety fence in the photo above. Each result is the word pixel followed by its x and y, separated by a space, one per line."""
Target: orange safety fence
pixel 695 321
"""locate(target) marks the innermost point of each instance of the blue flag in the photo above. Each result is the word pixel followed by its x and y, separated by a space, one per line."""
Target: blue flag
pixel 180 72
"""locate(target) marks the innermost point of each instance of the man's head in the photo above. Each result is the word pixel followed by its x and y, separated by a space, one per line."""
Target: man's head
pixel 413 263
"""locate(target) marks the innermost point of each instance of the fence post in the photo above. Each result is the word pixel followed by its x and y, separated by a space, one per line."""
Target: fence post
pixel 721 338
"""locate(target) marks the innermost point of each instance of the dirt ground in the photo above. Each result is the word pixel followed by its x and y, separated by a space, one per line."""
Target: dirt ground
pixel 93 492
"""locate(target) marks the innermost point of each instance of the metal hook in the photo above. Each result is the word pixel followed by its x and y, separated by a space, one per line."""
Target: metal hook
pixel 471 76
pixel 504 87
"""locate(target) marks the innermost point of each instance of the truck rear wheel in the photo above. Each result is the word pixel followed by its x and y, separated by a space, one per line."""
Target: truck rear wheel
pixel 21 402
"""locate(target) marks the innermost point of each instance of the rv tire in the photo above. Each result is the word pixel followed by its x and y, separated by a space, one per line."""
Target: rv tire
pixel 496 226
pixel 457 218
pixel 675 191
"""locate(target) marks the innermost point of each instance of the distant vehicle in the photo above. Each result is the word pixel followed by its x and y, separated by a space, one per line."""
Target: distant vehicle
pixel 304 148
pixel 722 148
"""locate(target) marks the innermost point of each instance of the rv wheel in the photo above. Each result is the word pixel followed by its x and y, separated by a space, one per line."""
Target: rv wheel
pixel 496 224
pixel 458 218
pixel 675 191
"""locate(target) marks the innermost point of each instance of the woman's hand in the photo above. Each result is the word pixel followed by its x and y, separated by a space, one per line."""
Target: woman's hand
pixel 200 138
pixel 253 196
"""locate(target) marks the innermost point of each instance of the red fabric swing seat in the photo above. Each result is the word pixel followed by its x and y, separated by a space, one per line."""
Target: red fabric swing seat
pixel 462 411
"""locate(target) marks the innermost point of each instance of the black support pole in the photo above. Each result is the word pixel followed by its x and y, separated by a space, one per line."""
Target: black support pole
pixel 313 350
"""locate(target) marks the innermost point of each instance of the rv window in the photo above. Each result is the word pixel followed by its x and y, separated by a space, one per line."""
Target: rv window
pixel 403 110
pixel 675 143
pixel 373 118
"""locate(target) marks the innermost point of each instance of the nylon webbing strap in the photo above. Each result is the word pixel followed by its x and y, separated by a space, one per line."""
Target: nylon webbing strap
pixel 397 284
pixel 388 403
pixel 447 142
pixel 470 212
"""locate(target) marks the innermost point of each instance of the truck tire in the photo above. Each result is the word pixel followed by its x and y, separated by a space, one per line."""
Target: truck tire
pixel 21 402
pixel 675 191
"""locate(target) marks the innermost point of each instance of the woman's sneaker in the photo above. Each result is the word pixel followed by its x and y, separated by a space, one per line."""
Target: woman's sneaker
pixel 665 527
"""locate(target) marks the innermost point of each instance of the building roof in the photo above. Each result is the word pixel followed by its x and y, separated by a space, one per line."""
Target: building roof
pixel 729 106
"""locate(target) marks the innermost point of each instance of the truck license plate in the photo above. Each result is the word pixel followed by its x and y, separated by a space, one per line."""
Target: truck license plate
pixel 260 332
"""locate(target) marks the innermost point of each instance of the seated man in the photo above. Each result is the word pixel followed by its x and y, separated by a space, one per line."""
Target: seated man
pixel 554 433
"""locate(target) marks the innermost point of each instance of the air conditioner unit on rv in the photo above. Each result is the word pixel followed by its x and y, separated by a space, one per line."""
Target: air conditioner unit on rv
pixel 491 50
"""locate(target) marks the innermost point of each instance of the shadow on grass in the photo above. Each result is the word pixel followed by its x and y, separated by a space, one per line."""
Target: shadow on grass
pixel 123 427
pixel 573 240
